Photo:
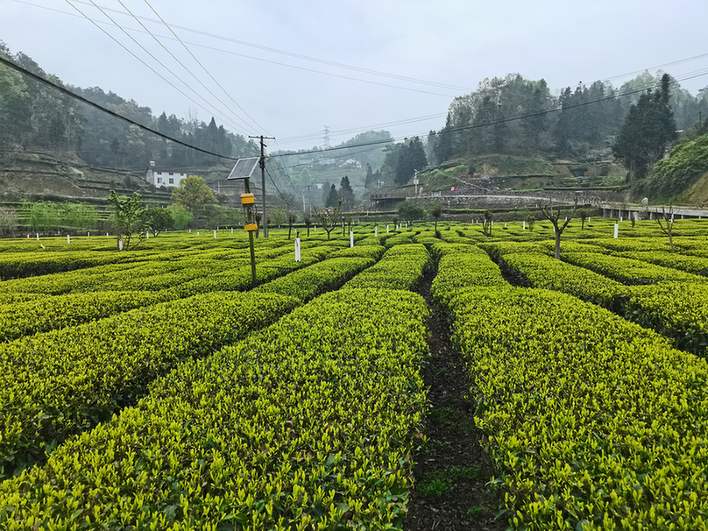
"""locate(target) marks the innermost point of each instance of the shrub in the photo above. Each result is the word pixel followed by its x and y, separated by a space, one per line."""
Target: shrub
pixel 61 382
pixel 463 268
pixel 401 267
pixel 542 271
pixel 50 313
pixel 309 424
pixel 590 421
pixel 678 310
pixel 627 270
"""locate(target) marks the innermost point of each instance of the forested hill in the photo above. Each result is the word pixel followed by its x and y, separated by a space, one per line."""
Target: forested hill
pixel 35 116
pixel 682 175
pixel 586 126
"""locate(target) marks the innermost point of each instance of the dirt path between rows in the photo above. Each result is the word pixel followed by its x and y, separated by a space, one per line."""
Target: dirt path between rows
pixel 451 471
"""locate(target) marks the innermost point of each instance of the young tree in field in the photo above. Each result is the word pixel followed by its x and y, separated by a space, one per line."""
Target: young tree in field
pixel 193 194
pixel 328 218
pixel 436 212
pixel 158 220
pixel 259 217
pixel 553 214
pixel 583 218
pixel 487 224
pixel 128 217
pixel 666 223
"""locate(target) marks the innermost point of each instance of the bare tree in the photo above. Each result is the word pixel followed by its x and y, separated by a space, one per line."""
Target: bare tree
pixel 666 223
pixel 329 218
pixel 308 222
pixel 259 216
pixel 553 214
pixel 291 220
pixel 487 224
pixel 436 212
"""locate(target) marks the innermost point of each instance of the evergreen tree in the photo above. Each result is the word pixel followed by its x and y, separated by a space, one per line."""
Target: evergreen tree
pixel 369 182
pixel 332 198
pixel 443 146
pixel 411 157
pixel 346 194
pixel 647 131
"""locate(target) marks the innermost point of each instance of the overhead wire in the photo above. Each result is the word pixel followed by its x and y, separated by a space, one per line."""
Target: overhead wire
pixel 181 63
pixel 339 132
pixel 108 111
pixel 140 59
pixel 206 70
pixel 365 70
pixel 495 122
pixel 271 61
pixel 277 189
pixel 293 54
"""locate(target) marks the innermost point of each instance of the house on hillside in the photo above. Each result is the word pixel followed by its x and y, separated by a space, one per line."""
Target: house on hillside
pixel 166 178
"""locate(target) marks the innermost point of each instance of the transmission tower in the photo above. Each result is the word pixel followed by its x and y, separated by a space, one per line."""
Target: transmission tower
pixel 325 136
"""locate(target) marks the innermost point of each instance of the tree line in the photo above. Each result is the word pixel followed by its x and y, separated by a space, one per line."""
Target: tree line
pixel 588 122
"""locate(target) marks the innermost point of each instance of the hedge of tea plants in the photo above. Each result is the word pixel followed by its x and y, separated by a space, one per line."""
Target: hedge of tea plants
pixel 692 264
pixel 591 421
pixel 462 267
pixel 309 424
pixel 25 264
pixel 61 382
pixel 401 267
pixel 19 319
pixel 543 271
pixel 678 310
pixel 306 283
pixel 628 270
pixel 85 279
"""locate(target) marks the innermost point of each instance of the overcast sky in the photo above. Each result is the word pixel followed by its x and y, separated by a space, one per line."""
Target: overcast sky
pixel 451 44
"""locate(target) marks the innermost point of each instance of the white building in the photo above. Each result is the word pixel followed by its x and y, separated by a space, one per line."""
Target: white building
pixel 159 178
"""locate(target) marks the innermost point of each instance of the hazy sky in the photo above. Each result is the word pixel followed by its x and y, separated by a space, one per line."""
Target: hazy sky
pixel 453 44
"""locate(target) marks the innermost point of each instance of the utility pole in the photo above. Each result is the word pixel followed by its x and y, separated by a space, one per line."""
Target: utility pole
pixel 262 164
pixel 251 246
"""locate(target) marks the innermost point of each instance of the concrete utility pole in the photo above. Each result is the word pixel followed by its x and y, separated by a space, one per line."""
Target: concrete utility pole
pixel 262 164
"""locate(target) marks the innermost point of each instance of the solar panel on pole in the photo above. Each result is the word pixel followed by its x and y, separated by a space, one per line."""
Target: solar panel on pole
pixel 243 170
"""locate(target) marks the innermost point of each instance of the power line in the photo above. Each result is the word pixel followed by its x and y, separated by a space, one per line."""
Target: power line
pixel 179 61
pixel 365 70
pixel 113 38
pixel 337 132
pixel 656 67
pixel 285 200
pixel 208 72
pixel 270 61
pixel 108 111
pixel 494 122
pixel 406 121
